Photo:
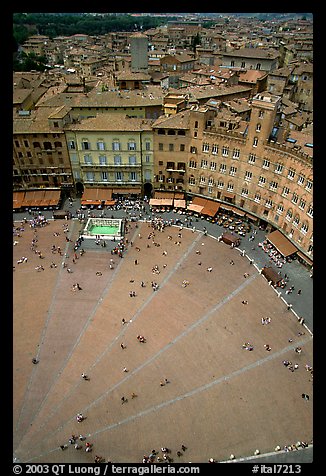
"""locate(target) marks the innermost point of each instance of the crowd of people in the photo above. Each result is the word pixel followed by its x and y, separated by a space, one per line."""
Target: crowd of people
pixel 274 255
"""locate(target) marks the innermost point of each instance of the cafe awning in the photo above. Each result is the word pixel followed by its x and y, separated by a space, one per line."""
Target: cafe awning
pixel 161 202
pixel 156 202
pixel 167 202
pixel 37 198
pixel 179 195
pixel 38 195
pixel 96 196
pixel 179 203
pixel 226 207
pixel 89 196
pixel 199 201
pixel 271 274
pixel 210 208
pixel 52 197
pixel 18 199
pixel 104 194
pixel 281 243
pixel 159 194
pixel 238 212
pixel 251 217
pixel 44 200
pixel 195 208
pixel 305 258
pixel 29 198
pixel 197 204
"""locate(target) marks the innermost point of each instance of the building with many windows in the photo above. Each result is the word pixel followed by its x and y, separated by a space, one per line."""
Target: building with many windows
pixel 113 151
pixel 40 154
pixel 171 145
pixel 245 161
pixel 251 58
pixel 240 164
pixel 134 103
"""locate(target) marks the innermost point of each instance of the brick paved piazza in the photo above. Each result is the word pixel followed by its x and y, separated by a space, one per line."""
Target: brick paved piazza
pixel 221 399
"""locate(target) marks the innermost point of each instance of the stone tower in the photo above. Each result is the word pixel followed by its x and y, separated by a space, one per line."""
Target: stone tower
pixel 263 111
pixel 139 54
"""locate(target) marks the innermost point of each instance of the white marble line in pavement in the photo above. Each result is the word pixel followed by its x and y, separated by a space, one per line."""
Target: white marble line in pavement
pixel 105 290
pixel 174 341
pixel 192 392
pixel 178 264
pixel 49 314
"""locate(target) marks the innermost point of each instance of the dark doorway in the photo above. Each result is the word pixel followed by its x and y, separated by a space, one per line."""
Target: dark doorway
pixel 148 187
pixel 79 189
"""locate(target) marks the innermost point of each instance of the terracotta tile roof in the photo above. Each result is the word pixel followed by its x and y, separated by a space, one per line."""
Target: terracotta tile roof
pixel 36 122
pixel 253 53
pixel 106 99
pixel 239 105
pixel 251 76
pixel 19 95
pixel 176 121
pixel 130 76
pixel 113 122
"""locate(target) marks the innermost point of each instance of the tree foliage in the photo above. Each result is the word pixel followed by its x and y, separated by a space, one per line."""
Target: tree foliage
pixel 53 25
pixel 29 62
pixel 195 41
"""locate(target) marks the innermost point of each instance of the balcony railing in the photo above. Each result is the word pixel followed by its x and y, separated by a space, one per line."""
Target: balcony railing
pixel 129 183
pixel 170 169
pixel 94 165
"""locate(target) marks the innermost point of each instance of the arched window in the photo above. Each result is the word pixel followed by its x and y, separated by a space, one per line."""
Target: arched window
pixel 305 227
pixel 296 220
pixel 289 214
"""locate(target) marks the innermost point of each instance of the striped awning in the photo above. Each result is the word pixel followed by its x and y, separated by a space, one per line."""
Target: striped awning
pixel 96 196
pixel 41 198
pixel 18 199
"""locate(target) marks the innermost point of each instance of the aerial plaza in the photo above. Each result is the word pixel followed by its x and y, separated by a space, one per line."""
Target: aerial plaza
pixel 207 371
